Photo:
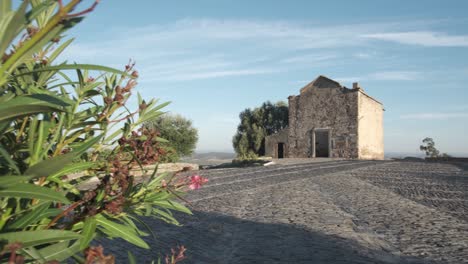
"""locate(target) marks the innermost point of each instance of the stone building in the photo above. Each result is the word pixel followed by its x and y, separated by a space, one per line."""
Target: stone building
pixel 329 120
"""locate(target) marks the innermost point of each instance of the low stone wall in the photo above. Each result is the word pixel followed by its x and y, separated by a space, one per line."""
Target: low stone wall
pixel 169 167
pixel 165 167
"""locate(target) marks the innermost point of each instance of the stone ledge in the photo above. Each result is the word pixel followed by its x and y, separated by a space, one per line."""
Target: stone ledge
pixel 162 168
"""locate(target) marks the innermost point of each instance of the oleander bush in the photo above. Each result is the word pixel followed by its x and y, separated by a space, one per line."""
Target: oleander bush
pixel 59 120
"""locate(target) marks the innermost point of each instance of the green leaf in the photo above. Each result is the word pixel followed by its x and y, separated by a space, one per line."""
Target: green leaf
pixel 155 179
pixel 38 9
pixel 72 168
pixel 128 221
pixel 92 67
pixel 147 227
pixel 31 191
pixel 33 253
pixel 165 216
pixel 31 104
pixel 4 126
pixel 9 160
pixel 162 140
pixel 49 167
pixel 122 231
pixel 5 7
pixel 30 217
pixel 131 258
pixel 39 141
pixel 89 230
pixel 56 164
pixel 39 237
pixel 29 47
pixel 9 180
pixel 16 24
pixel 51 212
pixel 173 206
pixel 60 251
pixel 83 147
pixel 32 138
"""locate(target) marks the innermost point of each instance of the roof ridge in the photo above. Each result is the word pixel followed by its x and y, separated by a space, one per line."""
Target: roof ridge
pixel 315 82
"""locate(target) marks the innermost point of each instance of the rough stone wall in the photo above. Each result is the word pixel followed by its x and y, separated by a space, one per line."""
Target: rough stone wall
pixel 370 128
pixel 271 143
pixel 328 106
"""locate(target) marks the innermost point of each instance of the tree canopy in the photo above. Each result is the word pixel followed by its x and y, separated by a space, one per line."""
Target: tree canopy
pixel 255 125
pixel 431 151
pixel 182 137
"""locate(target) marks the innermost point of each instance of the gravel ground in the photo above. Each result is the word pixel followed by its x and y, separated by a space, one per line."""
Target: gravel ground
pixel 321 212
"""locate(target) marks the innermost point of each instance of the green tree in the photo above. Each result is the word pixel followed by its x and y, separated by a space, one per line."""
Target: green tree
pixel 429 148
pixel 179 132
pixel 431 151
pixel 255 125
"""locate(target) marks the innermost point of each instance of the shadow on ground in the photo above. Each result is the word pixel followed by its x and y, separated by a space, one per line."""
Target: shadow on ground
pixel 215 238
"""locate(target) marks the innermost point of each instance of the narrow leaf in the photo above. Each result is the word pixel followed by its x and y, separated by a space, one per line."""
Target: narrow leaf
pixel 60 49
pixel 9 160
pixel 62 67
pixel 9 180
pixel 17 23
pixel 131 258
pixel 122 231
pixel 88 232
pixel 38 237
pixel 60 251
pixel 27 105
pixel 31 191
pixel 58 163
pixel 72 168
pixel 30 217
pixel 173 206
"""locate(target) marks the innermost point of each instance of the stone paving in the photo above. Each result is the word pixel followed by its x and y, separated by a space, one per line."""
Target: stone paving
pixel 321 212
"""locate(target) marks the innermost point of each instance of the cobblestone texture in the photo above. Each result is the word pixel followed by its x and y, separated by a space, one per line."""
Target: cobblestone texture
pixel 321 212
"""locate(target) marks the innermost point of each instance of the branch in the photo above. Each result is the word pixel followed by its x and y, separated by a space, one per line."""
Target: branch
pixel 84 12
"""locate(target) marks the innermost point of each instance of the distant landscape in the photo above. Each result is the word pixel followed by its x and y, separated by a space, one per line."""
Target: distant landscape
pixel 210 158
pixel 214 158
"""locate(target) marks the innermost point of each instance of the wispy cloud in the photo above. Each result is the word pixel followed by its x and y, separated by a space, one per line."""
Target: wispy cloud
pixel 286 34
pixel 195 49
pixel 205 74
pixel 422 38
pixel 394 76
pixel 310 58
pixel 435 116
pixel 364 55
pixel 384 76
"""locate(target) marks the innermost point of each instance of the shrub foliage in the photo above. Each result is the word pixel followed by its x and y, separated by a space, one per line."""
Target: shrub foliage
pixel 181 136
pixel 56 119
pixel 431 151
pixel 255 125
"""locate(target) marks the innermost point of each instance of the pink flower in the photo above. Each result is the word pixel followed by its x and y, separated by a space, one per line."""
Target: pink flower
pixel 196 181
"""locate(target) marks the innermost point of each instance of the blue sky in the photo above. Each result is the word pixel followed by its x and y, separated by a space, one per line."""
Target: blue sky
pixel 214 58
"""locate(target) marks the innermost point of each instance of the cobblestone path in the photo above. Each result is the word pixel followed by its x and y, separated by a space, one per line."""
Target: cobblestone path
pixel 321 212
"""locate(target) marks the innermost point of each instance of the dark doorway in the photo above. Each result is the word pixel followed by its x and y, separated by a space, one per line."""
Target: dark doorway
pixel 280 150
pixel 322 146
